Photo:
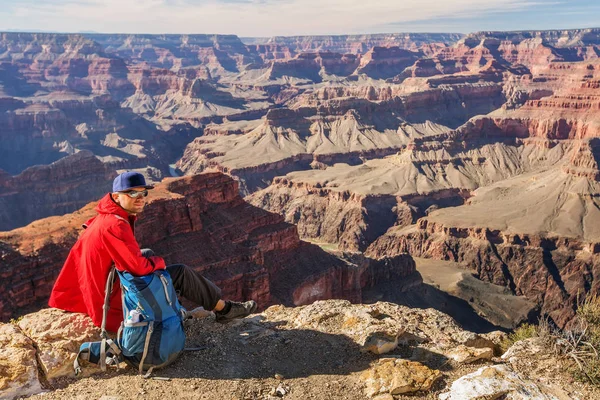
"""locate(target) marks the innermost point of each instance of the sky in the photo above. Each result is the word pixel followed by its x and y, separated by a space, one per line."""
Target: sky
pixel 264 18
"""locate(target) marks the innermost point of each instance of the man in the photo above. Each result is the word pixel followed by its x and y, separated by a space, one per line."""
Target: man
pixel 109 239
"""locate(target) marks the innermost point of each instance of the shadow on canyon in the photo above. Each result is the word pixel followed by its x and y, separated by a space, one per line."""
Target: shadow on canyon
pixel 428 296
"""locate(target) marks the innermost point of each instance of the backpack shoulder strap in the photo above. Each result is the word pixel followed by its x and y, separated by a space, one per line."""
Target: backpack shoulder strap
pixel 103 333
pixel 107 291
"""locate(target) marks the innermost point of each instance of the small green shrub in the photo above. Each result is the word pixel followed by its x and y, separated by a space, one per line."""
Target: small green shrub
pixel 524 331
pixel 583 342
pixel 589 314
pixel 587 371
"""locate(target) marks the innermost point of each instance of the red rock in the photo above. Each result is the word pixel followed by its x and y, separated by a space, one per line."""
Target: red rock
pixel 248 252
pixel 386 62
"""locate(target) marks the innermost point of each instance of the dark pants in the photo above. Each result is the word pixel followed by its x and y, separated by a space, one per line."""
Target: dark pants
pixel 191 285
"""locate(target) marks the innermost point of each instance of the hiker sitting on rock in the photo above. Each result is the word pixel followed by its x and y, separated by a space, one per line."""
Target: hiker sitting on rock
pixel 109 239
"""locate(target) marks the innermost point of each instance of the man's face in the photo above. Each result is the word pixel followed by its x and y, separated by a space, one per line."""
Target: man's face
pixel 130 204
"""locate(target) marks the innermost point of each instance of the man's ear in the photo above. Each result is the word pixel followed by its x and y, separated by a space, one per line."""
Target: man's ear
pixel 115 197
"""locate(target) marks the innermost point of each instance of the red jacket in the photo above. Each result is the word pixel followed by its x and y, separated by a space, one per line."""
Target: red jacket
pixel 108 239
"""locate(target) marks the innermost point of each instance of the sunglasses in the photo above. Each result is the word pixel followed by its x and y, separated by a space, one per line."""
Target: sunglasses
pixel 134 194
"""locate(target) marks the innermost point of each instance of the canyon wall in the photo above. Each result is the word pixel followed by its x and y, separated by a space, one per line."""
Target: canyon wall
pixel 203 222
pixel 53 189
pixel 136 101
pixel 556 272
pixel 511 195
pixel 348 137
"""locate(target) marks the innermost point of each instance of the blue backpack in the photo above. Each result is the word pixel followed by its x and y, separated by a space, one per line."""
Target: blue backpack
pixel 151 335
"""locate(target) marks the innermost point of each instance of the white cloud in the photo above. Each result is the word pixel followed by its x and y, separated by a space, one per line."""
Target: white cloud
pixel 241 17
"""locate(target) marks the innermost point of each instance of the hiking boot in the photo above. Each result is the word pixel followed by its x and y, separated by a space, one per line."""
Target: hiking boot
pixel 234 310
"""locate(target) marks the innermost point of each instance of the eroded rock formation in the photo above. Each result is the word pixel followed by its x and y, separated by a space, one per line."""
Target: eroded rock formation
pixel 348 137
pixel 511 195
pixel 136 101
pixel 53 189
pixel 203 222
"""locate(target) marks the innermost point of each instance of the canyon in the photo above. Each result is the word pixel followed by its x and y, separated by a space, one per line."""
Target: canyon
pixel 315 167
pixel 248 252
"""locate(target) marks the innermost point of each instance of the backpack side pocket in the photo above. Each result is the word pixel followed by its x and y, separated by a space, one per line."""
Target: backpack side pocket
pixel 134 338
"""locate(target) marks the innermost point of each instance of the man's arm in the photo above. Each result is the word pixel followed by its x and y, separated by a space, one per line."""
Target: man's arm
pixel 125 251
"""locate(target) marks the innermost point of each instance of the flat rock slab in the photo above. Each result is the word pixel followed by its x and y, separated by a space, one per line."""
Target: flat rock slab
pixel 398 376
pixel 58 335
pixel 360 323
pixel 494 382
pixel 18 366
pixel 380 327
pixel 466 355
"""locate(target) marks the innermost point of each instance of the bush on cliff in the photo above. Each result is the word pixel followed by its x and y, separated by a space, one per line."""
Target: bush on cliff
pixel 582 343
pixel 579 344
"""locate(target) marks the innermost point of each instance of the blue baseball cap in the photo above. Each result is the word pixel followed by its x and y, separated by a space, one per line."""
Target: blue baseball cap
pixel 130 180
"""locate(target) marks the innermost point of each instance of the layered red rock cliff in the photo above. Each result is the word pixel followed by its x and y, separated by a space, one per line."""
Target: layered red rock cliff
pixel 556 272
pixel 203 222
pixel 532 49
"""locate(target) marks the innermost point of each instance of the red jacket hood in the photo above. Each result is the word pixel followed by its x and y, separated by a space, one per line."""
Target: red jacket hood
pixel 107 205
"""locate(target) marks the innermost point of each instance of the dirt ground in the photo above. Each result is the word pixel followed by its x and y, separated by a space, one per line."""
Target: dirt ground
pixel 245 359
pixel 258 359
pixel 249 359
